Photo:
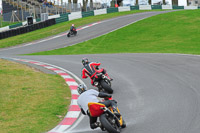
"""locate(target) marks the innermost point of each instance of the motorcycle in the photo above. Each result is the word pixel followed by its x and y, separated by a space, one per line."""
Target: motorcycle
pixel 103 83
pixel 73 32
pixel 110 118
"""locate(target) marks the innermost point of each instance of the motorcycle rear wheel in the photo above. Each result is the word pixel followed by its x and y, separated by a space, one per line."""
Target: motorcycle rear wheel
pixel 106 87
pixel 108 125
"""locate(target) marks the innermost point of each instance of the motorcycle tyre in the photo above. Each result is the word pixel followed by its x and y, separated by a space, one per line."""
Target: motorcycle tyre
pixel 106 124
pixel 75 33
pixel 106 87
pixel 68 35
pixel 108 82
pixel 123 123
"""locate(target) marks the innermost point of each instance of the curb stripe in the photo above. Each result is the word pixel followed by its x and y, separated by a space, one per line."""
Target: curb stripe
pixel 74 108
pixel 74 96
pixel 63 74
pixel 69 79
pixel 68 121
pixel 73 87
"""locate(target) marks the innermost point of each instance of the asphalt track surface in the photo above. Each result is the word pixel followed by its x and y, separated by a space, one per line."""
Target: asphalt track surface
pixel 156 93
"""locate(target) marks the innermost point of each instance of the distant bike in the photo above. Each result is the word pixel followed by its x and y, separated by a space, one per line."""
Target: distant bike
pixel 72 33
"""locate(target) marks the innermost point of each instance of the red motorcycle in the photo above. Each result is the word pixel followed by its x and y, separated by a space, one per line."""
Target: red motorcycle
pixel 103 83
pixel 72 32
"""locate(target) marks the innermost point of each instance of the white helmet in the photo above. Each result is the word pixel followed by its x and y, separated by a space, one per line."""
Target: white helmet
pixel 81 88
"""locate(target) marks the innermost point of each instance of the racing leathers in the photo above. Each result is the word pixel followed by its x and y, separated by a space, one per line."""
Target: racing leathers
pixel 92 96
pixel 91 69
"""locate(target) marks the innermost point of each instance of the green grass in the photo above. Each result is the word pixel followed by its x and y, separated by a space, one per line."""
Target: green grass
pixel 31 101
pixel 58 28
pixel 175 32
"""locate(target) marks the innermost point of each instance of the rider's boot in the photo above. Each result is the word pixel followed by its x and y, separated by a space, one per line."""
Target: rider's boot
pixel 95 125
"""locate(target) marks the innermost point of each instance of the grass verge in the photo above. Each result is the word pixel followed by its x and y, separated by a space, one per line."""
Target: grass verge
pixel 31 101
pixel 59 28
pixel 174 32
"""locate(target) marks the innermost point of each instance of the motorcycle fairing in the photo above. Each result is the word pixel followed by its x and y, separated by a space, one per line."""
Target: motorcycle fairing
pixel 95 109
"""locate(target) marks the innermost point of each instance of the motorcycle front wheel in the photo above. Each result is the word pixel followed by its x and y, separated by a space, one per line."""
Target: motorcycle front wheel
pixel 109 124
pixel 106 87
pixel 68 35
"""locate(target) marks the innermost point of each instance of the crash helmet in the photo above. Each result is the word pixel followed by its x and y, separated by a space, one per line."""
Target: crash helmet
pixel 81 88
pixel 84 61
pixel 72 24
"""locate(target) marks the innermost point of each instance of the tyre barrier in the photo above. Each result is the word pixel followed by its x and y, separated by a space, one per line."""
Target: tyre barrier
pixel 28 28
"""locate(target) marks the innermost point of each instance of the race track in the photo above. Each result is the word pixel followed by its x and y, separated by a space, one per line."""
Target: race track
pixel 156 93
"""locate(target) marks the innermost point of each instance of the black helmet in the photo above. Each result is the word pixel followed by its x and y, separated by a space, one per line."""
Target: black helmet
pixel 81 88
pixel 84 61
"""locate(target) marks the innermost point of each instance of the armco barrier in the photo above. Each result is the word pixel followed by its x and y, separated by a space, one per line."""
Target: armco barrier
pixel 124 8
pixel 178 7
pixel 15 25
pixel 75 15
pixel 190 7
pixel 156 7
pixel 134 7
pixel 38 20
pixel 87 14
pixel 61 19
pixel 55 16
pixel 100 11
pixel 166 7
pixel 4 28
pixel 145 7
pixel 112 9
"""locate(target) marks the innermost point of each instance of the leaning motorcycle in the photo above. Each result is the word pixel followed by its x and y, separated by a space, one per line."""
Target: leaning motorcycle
pixel 110 118
pixel 73 32
pixel 103 83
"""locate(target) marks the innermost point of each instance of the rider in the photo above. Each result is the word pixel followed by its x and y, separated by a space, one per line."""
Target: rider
pixel 87 96
pixel 91 69
pixel 72 29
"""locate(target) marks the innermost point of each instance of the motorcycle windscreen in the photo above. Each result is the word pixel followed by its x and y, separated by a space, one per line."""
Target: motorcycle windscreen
pixel 95 109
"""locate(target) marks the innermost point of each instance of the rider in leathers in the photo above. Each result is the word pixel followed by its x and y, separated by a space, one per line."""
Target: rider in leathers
pixel 91 95
pixel 91 69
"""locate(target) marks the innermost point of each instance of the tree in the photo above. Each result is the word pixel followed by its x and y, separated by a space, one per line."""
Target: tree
pixel 85 2
pixel 91 4
pixel 174 2
pixel 136 2
pixel 75 1
pixel 164 2
pixel 187 2
pixel 149 1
